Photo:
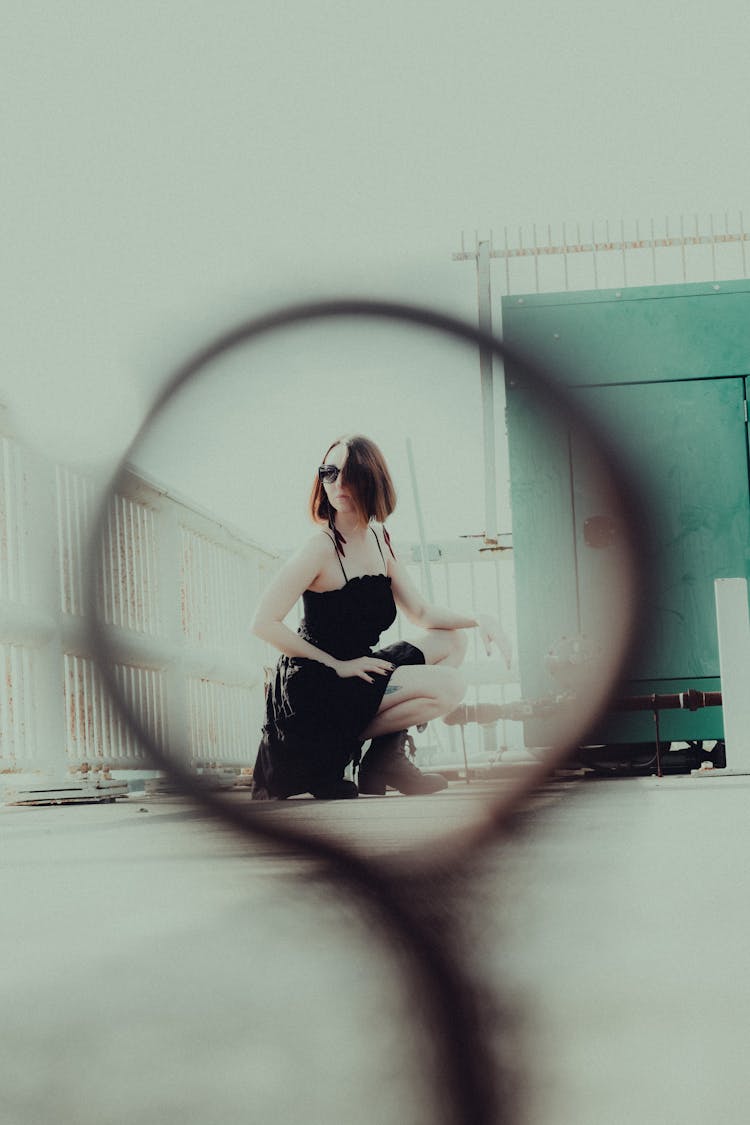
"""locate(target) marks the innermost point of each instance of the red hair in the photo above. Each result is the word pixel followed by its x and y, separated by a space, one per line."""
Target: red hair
pixel 367 478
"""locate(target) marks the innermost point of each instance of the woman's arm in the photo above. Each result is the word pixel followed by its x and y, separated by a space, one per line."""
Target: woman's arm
pixel 280 597
pixel 417 609
pixel 428 616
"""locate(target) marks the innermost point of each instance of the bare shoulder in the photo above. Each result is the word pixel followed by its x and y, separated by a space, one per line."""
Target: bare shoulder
pixel 299 572
pixel 314 551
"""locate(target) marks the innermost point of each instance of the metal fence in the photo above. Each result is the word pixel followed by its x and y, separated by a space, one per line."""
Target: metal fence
pixel 177 589
pixel 573 256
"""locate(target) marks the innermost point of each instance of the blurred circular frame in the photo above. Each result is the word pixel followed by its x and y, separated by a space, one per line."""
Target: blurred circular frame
pixel 624 626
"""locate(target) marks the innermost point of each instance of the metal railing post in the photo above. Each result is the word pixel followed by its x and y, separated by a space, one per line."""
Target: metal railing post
pixel 488 391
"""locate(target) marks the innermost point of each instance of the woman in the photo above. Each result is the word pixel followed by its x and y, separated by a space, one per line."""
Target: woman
pixel 332 691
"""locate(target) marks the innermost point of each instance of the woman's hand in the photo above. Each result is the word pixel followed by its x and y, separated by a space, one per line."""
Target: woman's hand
pixel 491 632
pixel 365 667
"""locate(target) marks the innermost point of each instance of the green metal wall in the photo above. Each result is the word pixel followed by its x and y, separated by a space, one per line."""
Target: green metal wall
pixel 666 369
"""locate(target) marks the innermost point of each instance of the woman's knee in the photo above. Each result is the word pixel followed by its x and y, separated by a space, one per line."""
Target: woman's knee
pixel 444 646
pixel 451 688
pixel 440 687
pixel 459 645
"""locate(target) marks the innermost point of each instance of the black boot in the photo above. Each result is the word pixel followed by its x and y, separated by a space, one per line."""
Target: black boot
pixel 385 763
pixel 335 789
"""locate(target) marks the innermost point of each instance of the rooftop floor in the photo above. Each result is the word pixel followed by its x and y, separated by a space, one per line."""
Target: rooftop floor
pixel 158 968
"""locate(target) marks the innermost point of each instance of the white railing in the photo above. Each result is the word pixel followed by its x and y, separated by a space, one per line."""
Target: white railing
pixel 17 706
pixel 14 572
pixel 177 589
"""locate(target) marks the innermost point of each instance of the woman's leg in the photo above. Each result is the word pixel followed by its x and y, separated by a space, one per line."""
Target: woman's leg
pixel 443 646
pixel 416 694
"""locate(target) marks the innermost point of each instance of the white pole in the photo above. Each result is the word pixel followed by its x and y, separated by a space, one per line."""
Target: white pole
pixel 420 522
pixel 488 401
pixel 733 626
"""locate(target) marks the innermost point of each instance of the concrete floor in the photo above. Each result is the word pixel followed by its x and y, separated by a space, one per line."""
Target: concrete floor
pixel 157 969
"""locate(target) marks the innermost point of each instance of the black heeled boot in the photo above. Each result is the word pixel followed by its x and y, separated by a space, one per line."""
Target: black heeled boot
pixel 385 763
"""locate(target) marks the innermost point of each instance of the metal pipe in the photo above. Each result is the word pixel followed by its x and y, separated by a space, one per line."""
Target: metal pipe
pixel 548 706
pixel 690 700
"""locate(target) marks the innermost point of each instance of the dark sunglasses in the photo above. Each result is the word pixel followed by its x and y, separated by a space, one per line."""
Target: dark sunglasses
pixel 327 474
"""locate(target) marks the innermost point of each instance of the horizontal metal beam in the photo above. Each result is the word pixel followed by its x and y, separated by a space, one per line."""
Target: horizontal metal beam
pixel 604 247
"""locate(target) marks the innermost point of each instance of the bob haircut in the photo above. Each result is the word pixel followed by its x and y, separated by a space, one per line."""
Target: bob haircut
pixel 366 475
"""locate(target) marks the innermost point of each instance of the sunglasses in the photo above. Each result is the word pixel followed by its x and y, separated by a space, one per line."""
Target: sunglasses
pixel 327 474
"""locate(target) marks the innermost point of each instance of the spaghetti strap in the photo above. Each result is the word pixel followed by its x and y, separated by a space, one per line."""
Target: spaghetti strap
pixel 372 529
pixel 338 555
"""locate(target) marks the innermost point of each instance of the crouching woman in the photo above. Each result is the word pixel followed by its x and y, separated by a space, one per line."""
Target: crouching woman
pixel 333 688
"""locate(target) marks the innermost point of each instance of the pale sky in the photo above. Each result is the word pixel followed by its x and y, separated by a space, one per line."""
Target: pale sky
pixel 172 167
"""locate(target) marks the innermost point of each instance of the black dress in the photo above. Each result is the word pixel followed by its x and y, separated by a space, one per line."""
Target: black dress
pixel 315 718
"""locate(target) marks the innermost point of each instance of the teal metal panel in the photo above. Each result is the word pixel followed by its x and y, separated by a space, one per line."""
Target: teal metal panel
pixel 688 441
pixel 557 480
pixel 679 415
pixel 546 582
pixel 636 335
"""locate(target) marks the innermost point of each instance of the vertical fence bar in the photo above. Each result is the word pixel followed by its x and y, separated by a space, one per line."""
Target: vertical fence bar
pixel 153 579
pixel 565 257
pixel 204 557
pixel 184 578
pixel 110 571
pixel 79 712
pixel 147 701
pixel 624 254
pixel 4 518
pixel 507 263
pixel 486 373
pixel 10 520
pixel 20 523
pixel 499 608
pixel 683 252
pixel 61 554
pixel 219 617
pixel 99 745
pixel 143 547
pixel 536 263
pixel 70 507
pixel 138 578
pixel 119 568
pixel 88 754
pixel 6 746
pixel 76 547
pixel 14 692
pixel 199 581
pixel 132 555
